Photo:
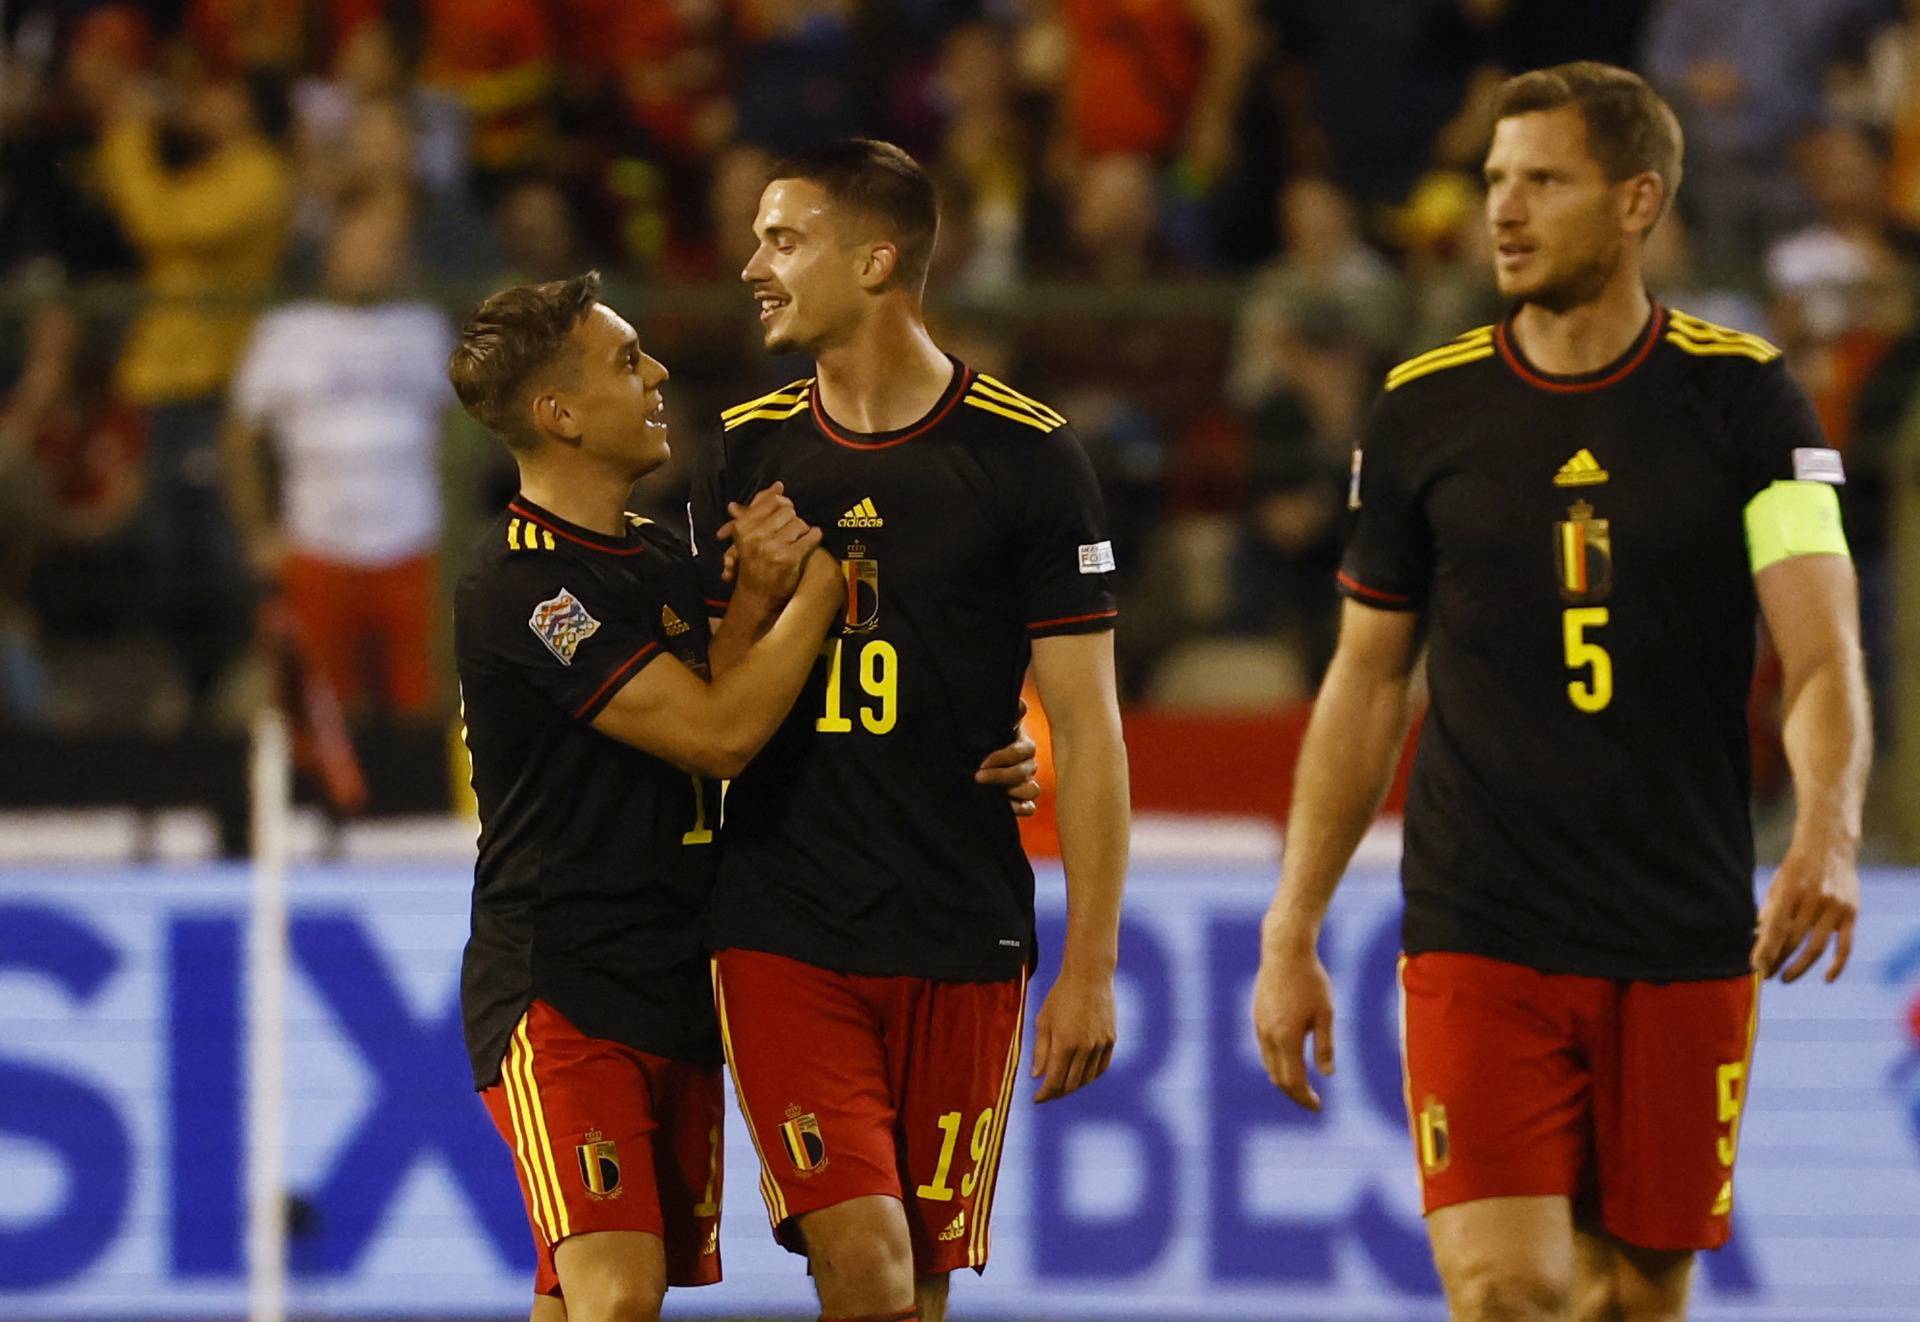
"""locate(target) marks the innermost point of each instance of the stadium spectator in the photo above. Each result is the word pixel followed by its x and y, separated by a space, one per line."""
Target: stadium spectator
pixel 534 227
pixel 378 64
pixel 1831 276
pixel 1156 78
pixel 1325 266
pixel 1113 218
pixel 349 390
pixel 52 103
pixel 733 199
pixel 986 151
pixel 70 483
pixel 1281 575
pixel 496 57
pixel 1446 255
pixel 1675 277
pixel 1748 79
pixel 1425 50
pixel 796 81
pixel 203 193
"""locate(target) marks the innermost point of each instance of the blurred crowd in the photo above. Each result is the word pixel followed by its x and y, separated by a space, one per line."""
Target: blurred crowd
pixel 235 236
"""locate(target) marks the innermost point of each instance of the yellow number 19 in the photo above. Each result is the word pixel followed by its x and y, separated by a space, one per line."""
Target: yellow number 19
pixel 1592 694
pixel 879 677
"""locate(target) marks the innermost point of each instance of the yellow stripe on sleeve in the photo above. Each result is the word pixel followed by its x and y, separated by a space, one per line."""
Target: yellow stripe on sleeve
pixel 775 414
pixel 1419 367
pixel 1480 338
pixel 790 393
pixel 1000 390
pixel 785 394
pixel 1025 419
pixel 1794 518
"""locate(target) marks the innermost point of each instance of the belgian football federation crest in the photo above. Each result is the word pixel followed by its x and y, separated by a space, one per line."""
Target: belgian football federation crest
pixel 599 1159
pixel 801 1137
pixel 1436 1153
pixel 562 623
pixel 862 573
pixel 1583 554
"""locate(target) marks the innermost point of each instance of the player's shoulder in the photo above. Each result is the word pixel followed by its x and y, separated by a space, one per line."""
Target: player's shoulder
pixel 1444 363
pixel 766 412
pixel 518 550
pixel 669 541
pixel 1007 411
pixel 1709 347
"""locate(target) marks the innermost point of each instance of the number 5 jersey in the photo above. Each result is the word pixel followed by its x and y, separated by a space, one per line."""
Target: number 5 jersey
pixel 1582 552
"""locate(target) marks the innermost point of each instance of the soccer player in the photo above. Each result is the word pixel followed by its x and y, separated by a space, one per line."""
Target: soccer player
pixel 1577 511
pixel 598 745
pixel 874 913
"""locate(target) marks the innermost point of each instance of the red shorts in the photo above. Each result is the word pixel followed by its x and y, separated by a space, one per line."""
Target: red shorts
pixel 348 615
pixel 1623 1096
pixel 605 1137
pixel 855 1085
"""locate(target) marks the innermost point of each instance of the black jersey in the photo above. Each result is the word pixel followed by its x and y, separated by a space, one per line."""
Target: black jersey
pixel 1577 545
pixel 596 860
pixel 857 840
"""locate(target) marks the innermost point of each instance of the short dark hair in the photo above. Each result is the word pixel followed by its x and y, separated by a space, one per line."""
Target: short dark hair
pixel 510 337
pixel 1630 129
pixel 886 183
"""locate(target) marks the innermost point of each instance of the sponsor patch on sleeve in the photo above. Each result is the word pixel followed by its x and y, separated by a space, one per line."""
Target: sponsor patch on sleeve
pixel 562 623
pixel 1817 464
pixel 1096 558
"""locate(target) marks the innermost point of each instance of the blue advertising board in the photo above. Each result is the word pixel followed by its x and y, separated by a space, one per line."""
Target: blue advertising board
pixel 1180 1186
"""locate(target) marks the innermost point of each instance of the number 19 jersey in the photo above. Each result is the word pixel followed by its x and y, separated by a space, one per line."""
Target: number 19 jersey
pixel 1578 549
pixel 857 840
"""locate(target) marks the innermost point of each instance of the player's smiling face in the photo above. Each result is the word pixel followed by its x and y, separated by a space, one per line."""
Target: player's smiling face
pixel 804 274
pixel 613 394
pixel 1559 226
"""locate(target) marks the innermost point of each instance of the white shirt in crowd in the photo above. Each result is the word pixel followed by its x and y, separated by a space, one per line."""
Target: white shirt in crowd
pixel 353 398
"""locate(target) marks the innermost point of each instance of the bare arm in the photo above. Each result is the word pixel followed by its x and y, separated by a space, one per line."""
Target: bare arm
pixel 1234 41
pixel 1074 1031
pixel 1346 763
pixel 1811 606
pixel 227 196
pixel 715 729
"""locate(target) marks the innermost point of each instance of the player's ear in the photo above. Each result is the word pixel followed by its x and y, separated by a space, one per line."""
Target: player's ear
pixel 552 417
pixel 1645 195
pixel 877 267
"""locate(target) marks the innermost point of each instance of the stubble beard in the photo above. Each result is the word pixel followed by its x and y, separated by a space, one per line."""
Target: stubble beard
pixel 1583 284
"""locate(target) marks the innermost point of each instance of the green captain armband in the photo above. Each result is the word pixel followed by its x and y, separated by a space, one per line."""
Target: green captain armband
pixel 1794 518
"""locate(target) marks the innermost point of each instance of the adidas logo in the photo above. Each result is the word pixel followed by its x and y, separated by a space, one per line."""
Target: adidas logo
pixel 956 1227
pixel 1583 470
pixel 863 515
pixel 673 624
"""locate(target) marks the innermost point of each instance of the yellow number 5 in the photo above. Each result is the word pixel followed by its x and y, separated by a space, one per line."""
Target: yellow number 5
pixel 1590 695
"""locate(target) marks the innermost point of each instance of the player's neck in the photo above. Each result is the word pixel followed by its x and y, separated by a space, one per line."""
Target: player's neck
pixel 586 498
pixel 889 374
pixel 1587 337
